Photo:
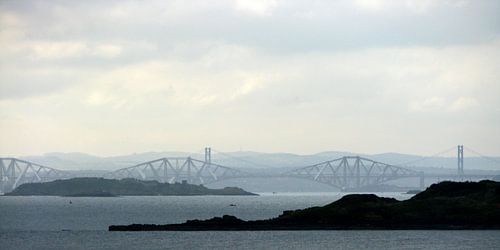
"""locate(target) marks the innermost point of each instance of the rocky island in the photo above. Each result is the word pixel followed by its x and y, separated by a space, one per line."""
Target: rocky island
pixel 100 187
pixel 447 205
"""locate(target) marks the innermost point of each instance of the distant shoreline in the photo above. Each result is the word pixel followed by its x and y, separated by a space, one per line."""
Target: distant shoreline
pixel 100 187
pixel 99 194
pixel 443 206
pixel 297 228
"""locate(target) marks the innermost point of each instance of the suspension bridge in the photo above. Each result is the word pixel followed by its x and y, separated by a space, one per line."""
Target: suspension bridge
pixel 345 173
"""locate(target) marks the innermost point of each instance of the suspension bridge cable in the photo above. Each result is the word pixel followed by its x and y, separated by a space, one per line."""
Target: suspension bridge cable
pixel 423 158
pixel 240 159
pixel 236 158
pixel 483 156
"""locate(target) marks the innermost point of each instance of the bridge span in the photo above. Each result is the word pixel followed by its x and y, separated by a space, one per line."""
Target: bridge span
pixel 14 172
pixel 345 173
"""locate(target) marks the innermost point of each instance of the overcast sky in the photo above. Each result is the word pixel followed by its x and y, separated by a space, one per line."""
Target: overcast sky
pixel 118 77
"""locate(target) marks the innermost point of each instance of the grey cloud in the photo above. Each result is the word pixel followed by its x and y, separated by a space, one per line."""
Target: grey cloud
pixel 323 74
pixel 32 84
pixel 332 25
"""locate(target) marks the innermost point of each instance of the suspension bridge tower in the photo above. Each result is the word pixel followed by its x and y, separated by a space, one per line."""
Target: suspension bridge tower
pixel 460 160
pixel 208 155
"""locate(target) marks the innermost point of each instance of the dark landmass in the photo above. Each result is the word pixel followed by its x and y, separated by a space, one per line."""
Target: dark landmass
pixel 93 194
pixel 413 191
pixel 100 187
pixel 447 205
pixel 378 188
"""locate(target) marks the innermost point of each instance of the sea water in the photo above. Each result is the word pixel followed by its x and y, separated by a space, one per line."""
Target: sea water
pixel 48 222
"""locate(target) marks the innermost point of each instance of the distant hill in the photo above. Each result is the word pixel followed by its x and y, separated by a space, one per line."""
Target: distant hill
pixel 253 160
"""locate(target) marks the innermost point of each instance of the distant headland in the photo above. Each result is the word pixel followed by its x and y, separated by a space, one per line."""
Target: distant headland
pixel 100 187
pixel 446 205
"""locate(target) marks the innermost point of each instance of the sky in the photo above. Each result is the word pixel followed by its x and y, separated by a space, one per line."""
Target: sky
pixel 366 76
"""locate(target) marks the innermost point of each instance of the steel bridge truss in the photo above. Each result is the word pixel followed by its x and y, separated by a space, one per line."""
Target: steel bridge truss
pixel 351 172
pixel 170 170
pixel 346 173
pixel 14 172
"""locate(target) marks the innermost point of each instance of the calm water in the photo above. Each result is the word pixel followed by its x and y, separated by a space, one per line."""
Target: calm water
pixel 54 223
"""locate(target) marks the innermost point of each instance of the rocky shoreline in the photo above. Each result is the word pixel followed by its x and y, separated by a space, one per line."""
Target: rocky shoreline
pixel 447 205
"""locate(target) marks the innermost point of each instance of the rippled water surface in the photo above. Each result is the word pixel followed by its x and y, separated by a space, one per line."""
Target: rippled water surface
pixel 55 223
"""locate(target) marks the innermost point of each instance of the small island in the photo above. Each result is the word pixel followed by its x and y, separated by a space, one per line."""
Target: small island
pixel 447 205
pixel 100 187
pixel 92 194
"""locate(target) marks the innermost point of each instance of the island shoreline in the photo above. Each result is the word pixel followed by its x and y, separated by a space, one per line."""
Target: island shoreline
pixel 444 206
pixel 101 187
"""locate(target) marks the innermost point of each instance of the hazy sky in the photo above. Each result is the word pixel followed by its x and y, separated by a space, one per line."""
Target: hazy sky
pixel 117 77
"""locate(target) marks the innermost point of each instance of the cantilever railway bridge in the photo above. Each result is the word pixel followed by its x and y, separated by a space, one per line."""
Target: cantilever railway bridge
pixel 344 173
pixel 14 172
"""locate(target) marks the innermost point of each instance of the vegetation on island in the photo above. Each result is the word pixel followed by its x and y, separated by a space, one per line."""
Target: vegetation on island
pixel 447 205
pixel 100 187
